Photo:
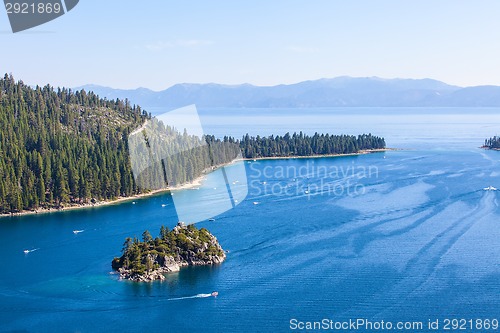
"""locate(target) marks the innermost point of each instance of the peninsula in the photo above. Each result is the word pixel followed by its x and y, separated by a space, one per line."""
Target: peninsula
pixel 64 149
pixel 150 259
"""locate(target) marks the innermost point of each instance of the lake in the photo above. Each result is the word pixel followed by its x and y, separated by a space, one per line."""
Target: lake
pixel 400 236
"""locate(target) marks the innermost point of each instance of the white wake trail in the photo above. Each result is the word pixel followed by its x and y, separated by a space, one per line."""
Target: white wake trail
pixel 190 297
pixel 29 251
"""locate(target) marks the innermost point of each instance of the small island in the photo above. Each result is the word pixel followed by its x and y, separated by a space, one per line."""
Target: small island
pixel 492 143
pixel 150 259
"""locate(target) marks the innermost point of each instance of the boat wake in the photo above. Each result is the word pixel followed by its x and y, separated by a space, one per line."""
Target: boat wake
pixel 29 251
pixel 214 294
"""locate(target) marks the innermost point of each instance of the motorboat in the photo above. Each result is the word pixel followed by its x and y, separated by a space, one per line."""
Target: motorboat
pixel 490 188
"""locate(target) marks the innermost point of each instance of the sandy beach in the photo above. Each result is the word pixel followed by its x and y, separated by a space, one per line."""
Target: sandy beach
pixel 196 183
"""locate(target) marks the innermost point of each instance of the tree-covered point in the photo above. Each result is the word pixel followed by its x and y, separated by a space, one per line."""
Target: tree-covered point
pixel 181 246
pixel 492 143
pixel 185 157
pixel 300 144
pixel 60 146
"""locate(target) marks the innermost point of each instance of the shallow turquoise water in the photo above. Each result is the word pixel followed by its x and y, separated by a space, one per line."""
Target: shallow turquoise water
pixel 409 236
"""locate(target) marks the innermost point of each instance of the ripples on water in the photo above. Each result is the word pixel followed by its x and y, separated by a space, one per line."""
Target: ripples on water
pixel 419 242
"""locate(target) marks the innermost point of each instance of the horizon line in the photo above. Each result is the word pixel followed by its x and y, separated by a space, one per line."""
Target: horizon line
pixel 280 84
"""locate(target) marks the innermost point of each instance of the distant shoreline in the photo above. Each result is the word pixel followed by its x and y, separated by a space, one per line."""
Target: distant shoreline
pixel 195 183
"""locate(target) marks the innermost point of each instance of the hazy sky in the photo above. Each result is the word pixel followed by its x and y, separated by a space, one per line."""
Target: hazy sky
pixel 155 44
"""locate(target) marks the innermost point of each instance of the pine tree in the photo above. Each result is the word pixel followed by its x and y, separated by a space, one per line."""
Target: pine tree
pixel 146 237
pixel 164 232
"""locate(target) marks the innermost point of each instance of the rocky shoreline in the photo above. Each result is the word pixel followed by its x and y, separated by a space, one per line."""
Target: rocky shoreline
pixel 171 266
pixel 151 259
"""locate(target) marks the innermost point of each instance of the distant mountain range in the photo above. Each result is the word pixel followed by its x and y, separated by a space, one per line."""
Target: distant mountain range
pixel 337 92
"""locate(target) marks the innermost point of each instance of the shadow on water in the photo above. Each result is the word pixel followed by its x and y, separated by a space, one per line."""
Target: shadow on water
pixel 197 280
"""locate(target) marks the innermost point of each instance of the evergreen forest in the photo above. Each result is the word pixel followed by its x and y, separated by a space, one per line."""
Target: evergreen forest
pixel 60 147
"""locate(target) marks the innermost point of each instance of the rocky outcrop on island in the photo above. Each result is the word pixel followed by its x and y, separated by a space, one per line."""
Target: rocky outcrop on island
pixel 150 259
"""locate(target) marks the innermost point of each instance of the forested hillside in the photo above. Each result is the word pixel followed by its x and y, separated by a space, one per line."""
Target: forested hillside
pixel 59 146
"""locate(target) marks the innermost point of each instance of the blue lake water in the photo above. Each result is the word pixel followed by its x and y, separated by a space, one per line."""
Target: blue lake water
pixel 404 235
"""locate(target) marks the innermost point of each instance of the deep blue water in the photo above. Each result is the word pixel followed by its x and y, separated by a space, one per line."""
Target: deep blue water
pixel 398 236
